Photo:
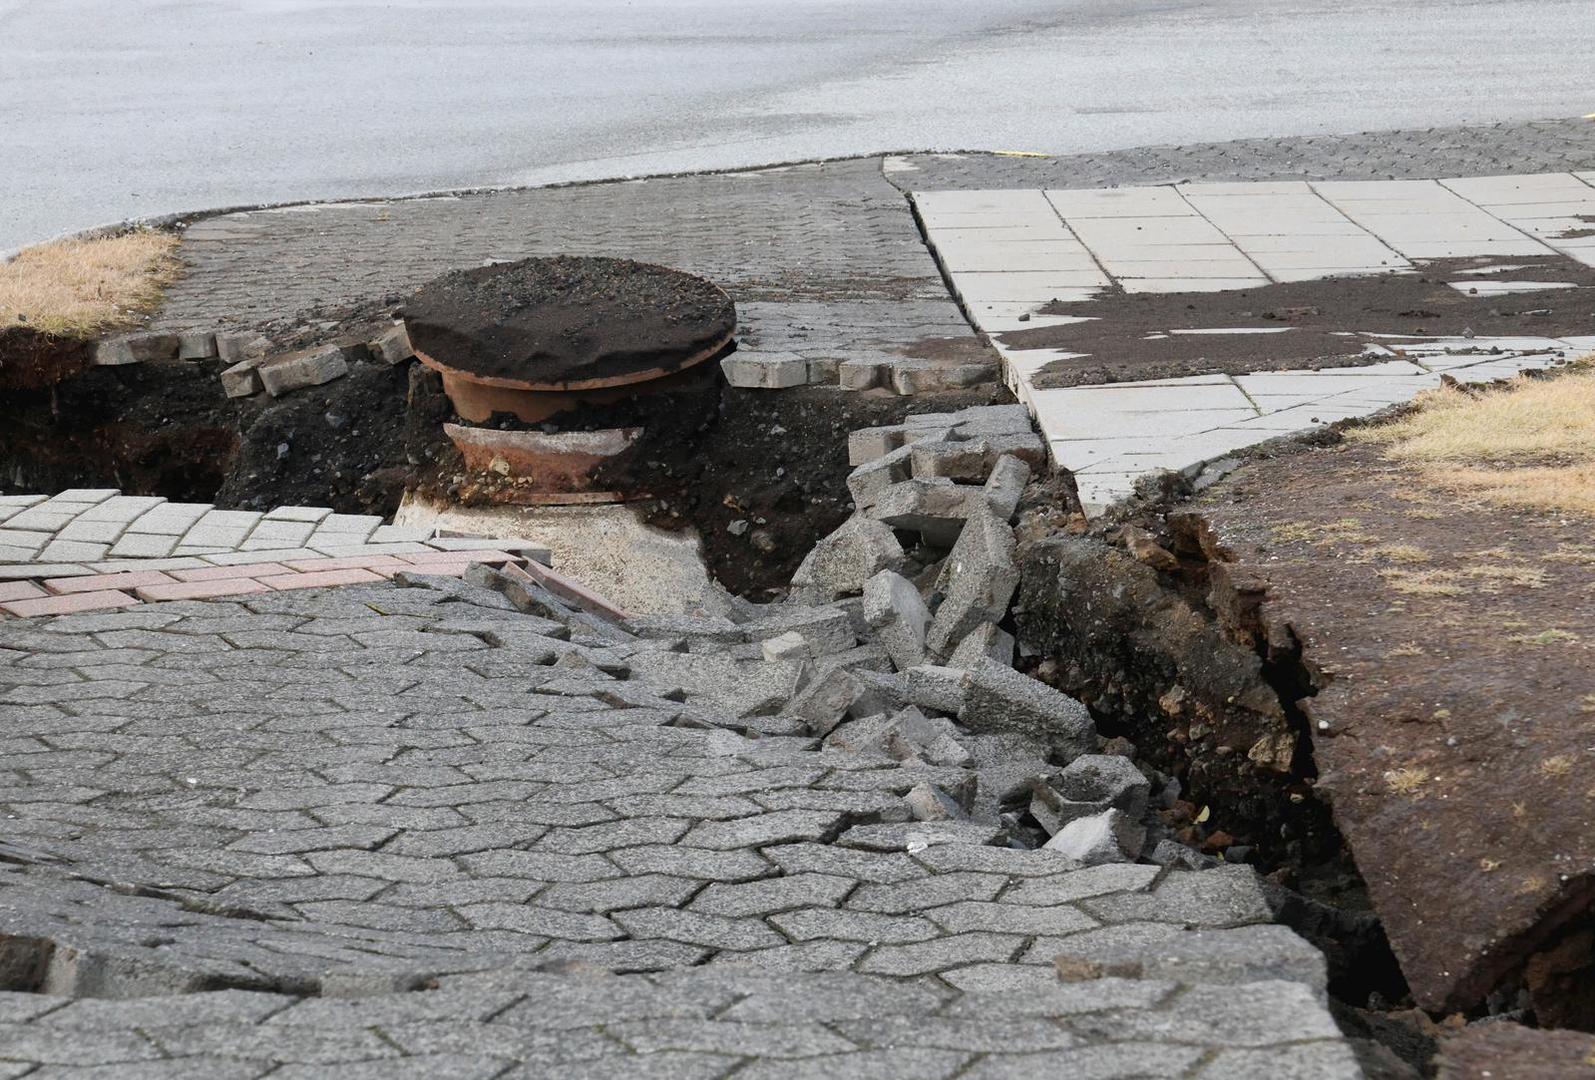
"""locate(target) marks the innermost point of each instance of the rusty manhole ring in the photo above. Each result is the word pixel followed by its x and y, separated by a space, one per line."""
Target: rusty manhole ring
pixel 540 335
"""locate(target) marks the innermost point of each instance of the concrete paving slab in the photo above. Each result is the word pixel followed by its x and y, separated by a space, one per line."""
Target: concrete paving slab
pixel 1517 190
pixel 1127 202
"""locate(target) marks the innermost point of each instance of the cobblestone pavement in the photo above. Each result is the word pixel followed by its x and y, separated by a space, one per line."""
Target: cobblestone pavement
pixel 360 791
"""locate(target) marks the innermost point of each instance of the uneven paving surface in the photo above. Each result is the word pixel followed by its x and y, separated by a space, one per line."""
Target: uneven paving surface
pixel 354 792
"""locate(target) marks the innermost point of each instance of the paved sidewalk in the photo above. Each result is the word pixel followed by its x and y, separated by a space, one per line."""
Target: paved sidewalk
pixel 357 791
pixel 1010 252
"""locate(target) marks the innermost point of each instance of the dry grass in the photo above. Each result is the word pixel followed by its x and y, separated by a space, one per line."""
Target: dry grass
pixel 1530 446
pixel 84 287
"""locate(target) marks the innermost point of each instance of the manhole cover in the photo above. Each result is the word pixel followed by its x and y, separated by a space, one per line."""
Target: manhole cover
pixel 536 336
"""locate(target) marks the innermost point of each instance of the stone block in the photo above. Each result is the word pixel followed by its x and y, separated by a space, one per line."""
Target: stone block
pixel 939 688
pixel 827 699
pixel 765 371
pixel 1006 486
pixel 788 646
pixel 1107 779
pixel 242 379
pixel 232 348
pixel 1052 811
pixel 861 374
pixel 840 564
pixel 196 345
pixel 823 370
pixel 988 641
pixel 1000 699
pixel 867 444
pixel 135 349
pixel 980 420
pixel 911 377
pixel 966 460
pixel 1108 837
pixel 977 581
pixel 307 367
pixel 827 630
pixel 935 509
pixel 392 346
pixel 868 481
pixel 927 802
pixel 894 610
pixel 1027 446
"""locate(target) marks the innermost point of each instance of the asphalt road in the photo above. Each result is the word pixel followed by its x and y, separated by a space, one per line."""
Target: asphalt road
pixel 144 107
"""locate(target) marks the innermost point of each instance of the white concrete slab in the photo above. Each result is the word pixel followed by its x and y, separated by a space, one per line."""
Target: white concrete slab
pixel 1512 190
pixel 1119 202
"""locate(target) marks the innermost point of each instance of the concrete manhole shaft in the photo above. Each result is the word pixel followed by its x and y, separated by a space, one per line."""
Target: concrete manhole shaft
pixel 540 335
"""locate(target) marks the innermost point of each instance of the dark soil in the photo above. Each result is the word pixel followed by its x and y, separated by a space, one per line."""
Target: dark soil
pixel 167 429
pixel 713 455
pixel 565 319
pixel 1447 646
pixel 1130 338
pixel 31 360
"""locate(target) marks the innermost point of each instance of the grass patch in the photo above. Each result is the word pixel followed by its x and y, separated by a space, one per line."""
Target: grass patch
pixel 1529 446
pixel 80 288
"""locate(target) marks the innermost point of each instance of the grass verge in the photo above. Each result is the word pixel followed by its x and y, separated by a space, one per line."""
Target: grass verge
pixel 80 288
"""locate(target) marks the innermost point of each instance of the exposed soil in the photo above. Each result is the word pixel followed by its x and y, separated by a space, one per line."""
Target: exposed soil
pixel 567 318
pixel 32 360
pixel 1329 321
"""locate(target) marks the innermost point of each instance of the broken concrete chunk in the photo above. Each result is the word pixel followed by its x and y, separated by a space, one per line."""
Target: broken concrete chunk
pixel 393 345
pixel 868 735
pixel 869 480
pixel 196 345
pixel 1173 853
pixel 765 371
pixel 840 564
pixel 1006 486
pixel 232 348
pixel 998 698
pixel 1052 811
pixel 135 349
pixel 714 628
pixel 1107 779
pixel 1108 837
pixel 307 367
pixel 978 580
pixel 934 508
pixel 939 688
pixel 898 616
pixel 884 691
pixel 988 641
pixel 242 379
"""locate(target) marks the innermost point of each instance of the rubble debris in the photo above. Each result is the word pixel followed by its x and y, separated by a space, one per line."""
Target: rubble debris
pixel 894 611
pixel 842 562
pixel 1108 837
pixel 998 698
pixel 978 581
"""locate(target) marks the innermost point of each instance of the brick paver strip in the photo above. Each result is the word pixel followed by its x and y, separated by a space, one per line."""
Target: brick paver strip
pixel 131 579
pixel 19 590
pixel 200 590
pixel 229 573
pixel 68 604
pixel 347 576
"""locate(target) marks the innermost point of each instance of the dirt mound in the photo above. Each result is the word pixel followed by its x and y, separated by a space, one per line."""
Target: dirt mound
pixel 568 319
pixel 32 360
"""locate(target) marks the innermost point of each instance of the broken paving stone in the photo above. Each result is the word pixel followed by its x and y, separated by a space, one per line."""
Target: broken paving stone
pixel 826 701
pixel 135 349
pixel 934 508
pixel 1107 779
pixel 927 802
pixel 939 688
pixel 965 461
pixel 1108 837
pixel 1052 811
pixel 1000 699
pixel 1006 486
pixel 861 374
pixel 392 346
pixel 977 580
pixel 788 646
pixel 988 641
pixel 828 630
pixel 913 376
pixel 894 610
pixel 840 564
pixel 242 379
pixel 307 367
pixel 870 480
pixel 765 371
pixel 232 348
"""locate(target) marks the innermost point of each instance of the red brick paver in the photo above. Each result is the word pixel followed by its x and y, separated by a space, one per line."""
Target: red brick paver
pixel 131 579
pixel 350 576
pixel 224 573
pixel 68 604
pixel 19 590
pixel 348 562
pixel 201 590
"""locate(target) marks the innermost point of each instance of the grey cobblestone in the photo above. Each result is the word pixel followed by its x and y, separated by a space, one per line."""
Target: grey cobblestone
pixel 287 806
